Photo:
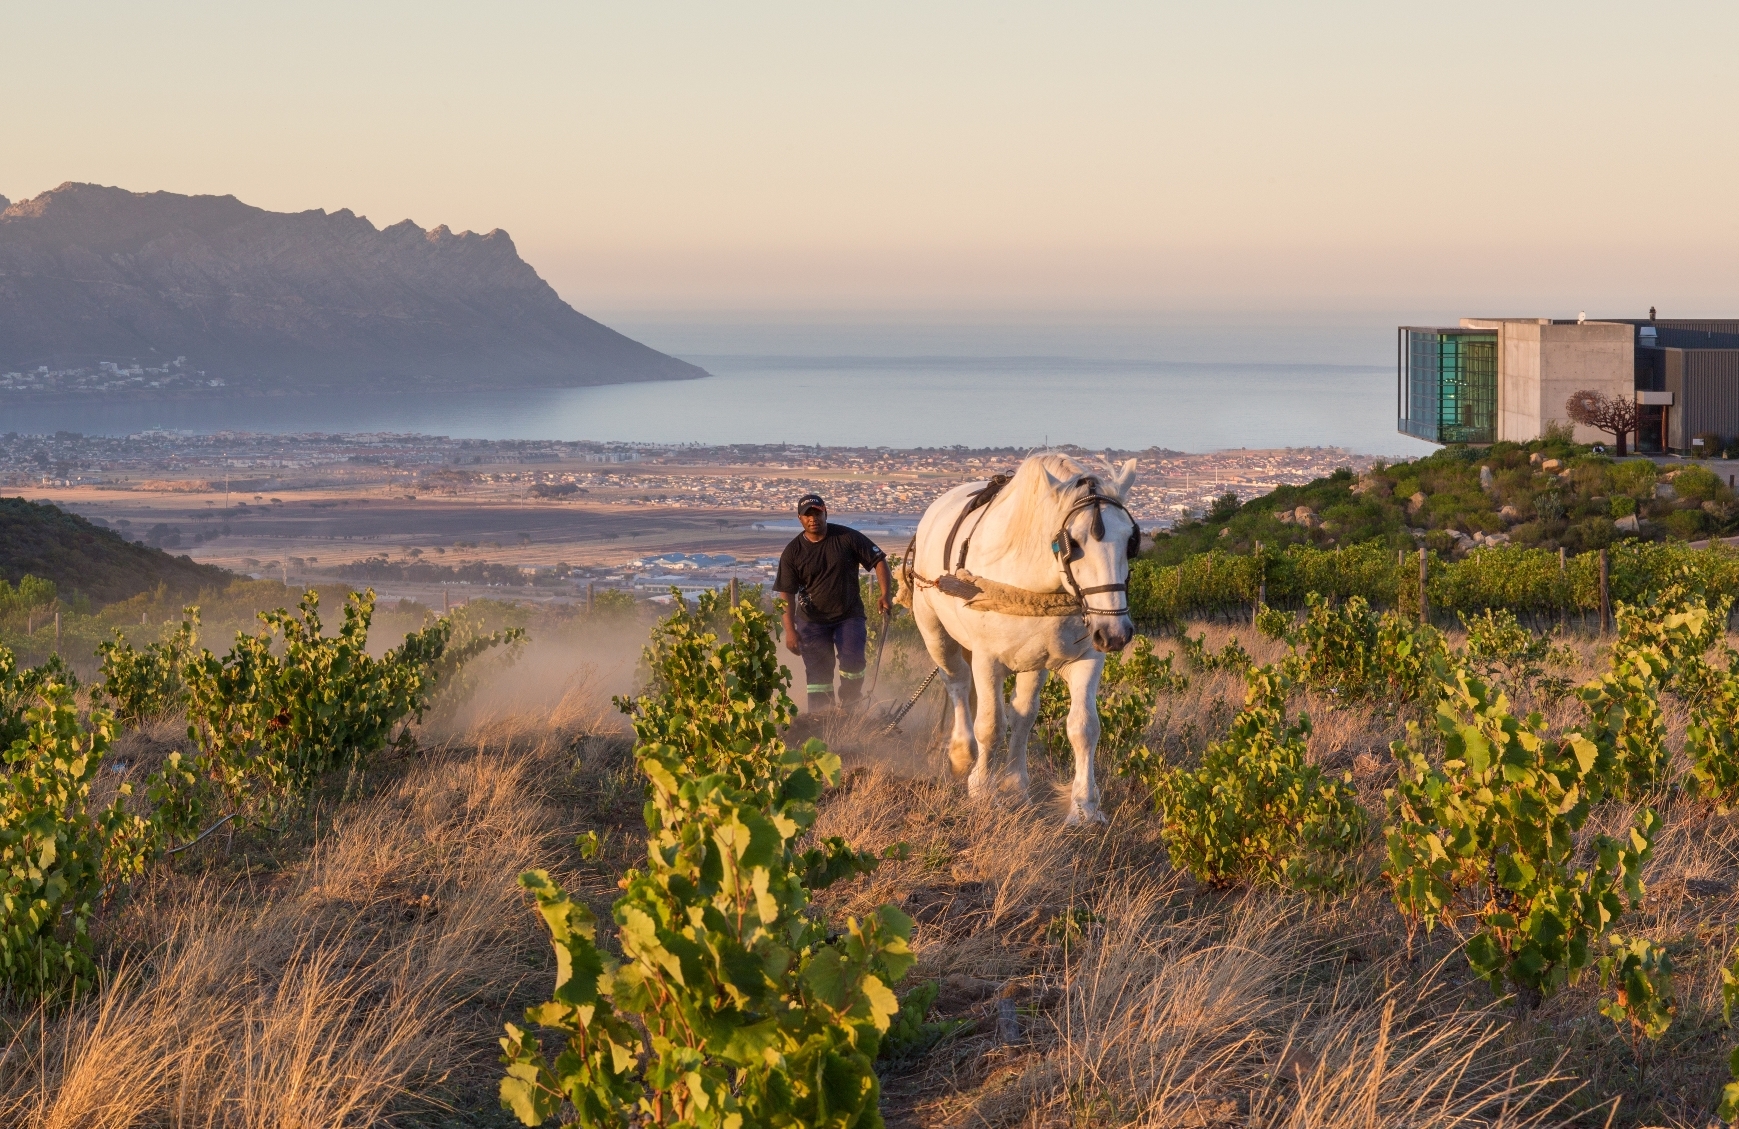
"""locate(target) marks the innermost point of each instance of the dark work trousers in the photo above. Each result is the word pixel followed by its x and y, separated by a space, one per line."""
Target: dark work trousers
pixel 825 643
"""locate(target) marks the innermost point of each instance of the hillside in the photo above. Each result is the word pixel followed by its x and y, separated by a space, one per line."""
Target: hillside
pixel 81 559
pixel 288 302
pixel 1550 493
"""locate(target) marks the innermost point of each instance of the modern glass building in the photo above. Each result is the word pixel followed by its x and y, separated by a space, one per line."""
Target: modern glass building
pixel 1446 384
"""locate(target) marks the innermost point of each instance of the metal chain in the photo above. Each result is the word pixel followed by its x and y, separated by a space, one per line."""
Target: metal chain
pixel 912 701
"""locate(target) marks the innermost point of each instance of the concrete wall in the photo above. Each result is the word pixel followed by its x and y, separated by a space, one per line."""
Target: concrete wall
pixel 1540 365
pixel 1597 355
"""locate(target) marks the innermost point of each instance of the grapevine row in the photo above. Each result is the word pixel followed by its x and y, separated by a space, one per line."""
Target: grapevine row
pixel 265 721
pixel 1532 582
pixel 730 1005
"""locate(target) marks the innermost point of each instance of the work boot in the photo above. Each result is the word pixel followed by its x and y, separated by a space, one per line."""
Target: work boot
pixel 850 690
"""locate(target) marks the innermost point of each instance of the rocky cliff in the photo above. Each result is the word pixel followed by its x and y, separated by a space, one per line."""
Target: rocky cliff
pixel 289 302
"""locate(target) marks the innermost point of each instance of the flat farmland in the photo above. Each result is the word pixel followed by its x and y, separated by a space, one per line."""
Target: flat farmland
pixel 337 528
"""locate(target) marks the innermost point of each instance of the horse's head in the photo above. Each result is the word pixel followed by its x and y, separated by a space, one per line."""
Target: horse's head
pixel 1095 545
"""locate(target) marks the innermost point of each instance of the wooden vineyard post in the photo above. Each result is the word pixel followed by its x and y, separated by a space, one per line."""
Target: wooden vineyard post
pixel 1564 574
pixel 57 632
pixel 1605 595
pixel 733 591
pixel 589 595
pixel 446 603
pixel 1424 608
pixel 1261 582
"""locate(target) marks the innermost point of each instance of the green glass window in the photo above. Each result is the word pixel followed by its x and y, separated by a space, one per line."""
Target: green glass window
pixel 1446 385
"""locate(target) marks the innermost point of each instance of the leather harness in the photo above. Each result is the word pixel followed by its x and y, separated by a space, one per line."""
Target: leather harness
pixel 959 583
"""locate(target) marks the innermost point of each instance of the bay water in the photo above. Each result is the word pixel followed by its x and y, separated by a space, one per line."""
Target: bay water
pixel 1190 384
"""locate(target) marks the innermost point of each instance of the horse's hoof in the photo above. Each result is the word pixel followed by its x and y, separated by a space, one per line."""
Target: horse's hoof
pixel 977 785
pixel 1082 814
pixel 960 757
pixel 1015 783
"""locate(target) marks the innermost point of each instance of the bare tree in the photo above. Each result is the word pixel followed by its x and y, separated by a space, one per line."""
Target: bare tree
pixel 1614 414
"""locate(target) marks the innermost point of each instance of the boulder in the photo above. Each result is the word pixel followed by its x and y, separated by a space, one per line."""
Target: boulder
pixel 1665 490
pixel 1551 466
pixel 1629 523
pixel 1416 502
pixel 1486 481
pixel 1305 516
pixel 1510 514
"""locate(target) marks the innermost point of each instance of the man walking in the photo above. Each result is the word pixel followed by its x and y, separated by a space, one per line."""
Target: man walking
pixel 824 615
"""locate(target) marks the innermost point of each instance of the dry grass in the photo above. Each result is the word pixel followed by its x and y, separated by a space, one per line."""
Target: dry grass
pixel 356 970
pixel 353 972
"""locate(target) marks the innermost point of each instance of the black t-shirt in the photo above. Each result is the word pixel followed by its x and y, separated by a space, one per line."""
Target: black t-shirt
pixel 822 575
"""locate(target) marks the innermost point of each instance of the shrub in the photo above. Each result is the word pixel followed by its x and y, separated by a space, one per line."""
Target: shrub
pixel 1257 810
pixel 57 856
pixel 1641 976
pixel 271 716
pixel 1623 705
pixel 1230 657
pixel 1353 652
pixel 613 603
pixel 727 702
pixel 1498 646
pixel 1684 524
pixel 752 1016
pixel 147 683
pixel 1491 834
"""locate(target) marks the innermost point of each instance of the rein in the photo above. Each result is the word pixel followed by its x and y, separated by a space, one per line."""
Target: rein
pixel 988 595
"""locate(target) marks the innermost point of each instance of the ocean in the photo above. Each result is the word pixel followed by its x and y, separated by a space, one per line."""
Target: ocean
pixel 1186 384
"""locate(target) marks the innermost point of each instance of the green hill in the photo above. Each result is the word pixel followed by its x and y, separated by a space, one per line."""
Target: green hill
pixel 1547 494
pixel 45 541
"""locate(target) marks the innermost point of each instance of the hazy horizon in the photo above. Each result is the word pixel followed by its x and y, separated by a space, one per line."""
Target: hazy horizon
pixel 976 159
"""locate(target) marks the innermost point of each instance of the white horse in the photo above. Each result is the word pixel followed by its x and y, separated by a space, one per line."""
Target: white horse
pixel 1033 580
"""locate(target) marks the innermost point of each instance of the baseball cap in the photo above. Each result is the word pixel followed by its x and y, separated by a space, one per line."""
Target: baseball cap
pixel 810 502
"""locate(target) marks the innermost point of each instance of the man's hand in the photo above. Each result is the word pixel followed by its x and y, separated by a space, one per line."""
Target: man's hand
pixel 884 587
pixel 792 643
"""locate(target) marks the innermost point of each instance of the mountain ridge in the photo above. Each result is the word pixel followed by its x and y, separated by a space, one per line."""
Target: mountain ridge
pixel 290 301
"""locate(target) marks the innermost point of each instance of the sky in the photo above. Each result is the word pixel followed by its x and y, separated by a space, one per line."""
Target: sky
pixel 926 160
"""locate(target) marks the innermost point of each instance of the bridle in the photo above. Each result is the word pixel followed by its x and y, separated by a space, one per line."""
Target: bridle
pixel 1066 548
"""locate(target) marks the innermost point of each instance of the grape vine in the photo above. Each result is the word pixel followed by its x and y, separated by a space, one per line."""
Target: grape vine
pixel 750 1014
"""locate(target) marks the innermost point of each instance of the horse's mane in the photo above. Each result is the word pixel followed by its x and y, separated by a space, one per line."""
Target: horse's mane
pixel 1032 510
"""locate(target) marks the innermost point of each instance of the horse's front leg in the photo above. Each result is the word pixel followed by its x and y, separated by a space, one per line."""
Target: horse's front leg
pixel 1028 685
pixel 1083 678
pixel 956 679
pixel 987 675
